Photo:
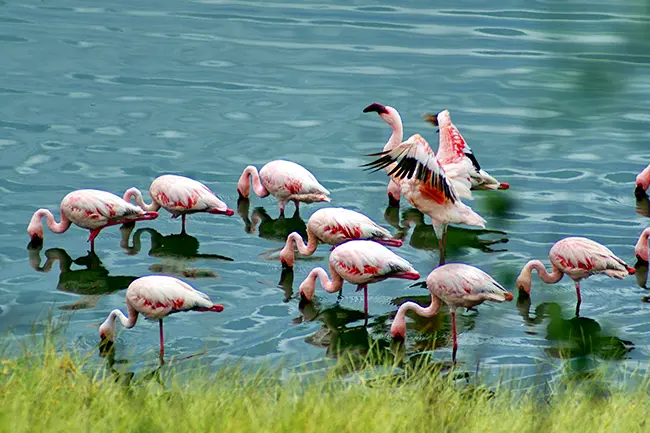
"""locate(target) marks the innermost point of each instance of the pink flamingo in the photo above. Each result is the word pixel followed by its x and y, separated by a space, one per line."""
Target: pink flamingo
pixel 426 186
pixel 333 226
pixel 643 181
pixel 641 247
pixel 578 258
pixel 156 297
pixel 180 196
pixel 359 262
pixel 89 209
pixel 285 180
pixel 454 150
pixel 458 285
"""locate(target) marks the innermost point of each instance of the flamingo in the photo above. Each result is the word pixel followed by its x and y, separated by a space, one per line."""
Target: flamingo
pixel 641 247
pixel 180 196
pixel 285 180
pixel 333 226
pixel 578 258
pixel 89 209
pixel 453 149
pixel 359 262
pixel 426 186
pixel 156 297
pixel 643 181
pixel 458 285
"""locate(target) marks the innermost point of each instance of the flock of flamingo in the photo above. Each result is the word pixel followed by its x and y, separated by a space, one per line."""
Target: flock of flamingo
pixel 434 183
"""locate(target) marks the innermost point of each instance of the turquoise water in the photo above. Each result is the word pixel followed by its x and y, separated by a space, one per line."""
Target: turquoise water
pixel 552 97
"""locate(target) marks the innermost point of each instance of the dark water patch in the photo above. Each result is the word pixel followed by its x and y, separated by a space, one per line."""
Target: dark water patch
pixel 362 24
pixel 376 9
pixel 498 31
pixel 535 15
pixel 502 53
pixel 223 17
pixel 4 90
pixel 24 126
pixel 585 219
pixel 14 20
pixel 10 38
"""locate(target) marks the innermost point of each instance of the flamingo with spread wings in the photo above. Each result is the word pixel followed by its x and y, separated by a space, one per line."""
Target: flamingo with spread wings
pixel 359 262
pixel 89 209
pixel 180 196
pixel 457 285
pixel 285 180
pixel 579 258
pixel 333 226
pixel 426 186
pixel 156 297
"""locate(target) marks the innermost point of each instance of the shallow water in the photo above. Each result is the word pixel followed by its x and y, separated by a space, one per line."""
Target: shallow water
pixel 552 97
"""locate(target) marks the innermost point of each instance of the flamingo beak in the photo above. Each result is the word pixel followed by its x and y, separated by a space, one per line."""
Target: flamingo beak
pixel 228 212
pixel 35 242
pixel 376 107
pixel 105 346
pixel 639 192
pixel 431 118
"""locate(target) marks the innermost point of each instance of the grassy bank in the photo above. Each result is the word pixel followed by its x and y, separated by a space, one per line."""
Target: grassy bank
pixel 54 392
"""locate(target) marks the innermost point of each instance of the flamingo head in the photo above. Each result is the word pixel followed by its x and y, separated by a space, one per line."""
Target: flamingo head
pixel 642 182
pixel 389 114
pixel 35 228
pixel 107 329
pixel 244 183
pixel 524 282
pixel 398 328
pixel 307 289
pixel 287 256
pixel 641 247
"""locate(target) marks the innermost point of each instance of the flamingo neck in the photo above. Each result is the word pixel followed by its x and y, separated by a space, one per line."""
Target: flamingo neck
pixel 552 278
pixel 107 329
pixel 398 328
pixel 308 287
pixel 395 121
pixel 135 193
pixel 641 247
pixel 287 253
pixel 36 224
pixel 244 184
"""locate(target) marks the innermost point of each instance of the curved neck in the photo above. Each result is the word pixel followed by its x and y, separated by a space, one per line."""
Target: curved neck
pixel 51 223
pixel 331 286
pixel 305 250
pixel 52 255
pixel 551 278
pixel 429 311
pixel 395 122
pixel 244 184
pixel 135 193
pixel 127 322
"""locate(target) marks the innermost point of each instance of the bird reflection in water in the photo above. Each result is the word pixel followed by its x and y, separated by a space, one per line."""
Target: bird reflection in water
pixel 92 282
pixel 176 250
pixel 578 337
pixel 423 236
pixel 641 275
pixel 269 228
pixel 642 203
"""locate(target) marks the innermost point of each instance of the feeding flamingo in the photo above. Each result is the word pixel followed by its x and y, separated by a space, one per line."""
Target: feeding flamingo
pixel 156 297
pixel 89 209
pixel 641 247
pixel 333 226
pixel 180 196
pixel 457 285
pixel 426 186
pixel 643 181
pixel 453 149
pixel 285 180
pixel 578 258
pixel 359 262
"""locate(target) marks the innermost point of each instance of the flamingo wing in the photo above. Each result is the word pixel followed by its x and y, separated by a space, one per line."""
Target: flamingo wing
pixel 415 160
pixel 345 224
pixel 452 147
pixel 156 296
pixel 457 280
pixel 182 194
pixel 584 255
pixel 369 260
pixel 96 208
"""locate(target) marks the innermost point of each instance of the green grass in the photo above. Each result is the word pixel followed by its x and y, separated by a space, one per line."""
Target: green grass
pixel 46 389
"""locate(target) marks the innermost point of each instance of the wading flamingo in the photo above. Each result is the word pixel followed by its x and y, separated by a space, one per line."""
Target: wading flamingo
pixel 643 181
pixel 156 297
pixel 457 285
pixel 578 258
pixel 358 262
pixel 426 186
pixel 180 196
pixel 641 247
pixel 285 180
pixel 333 226
pixel 452 149
pixel 89 209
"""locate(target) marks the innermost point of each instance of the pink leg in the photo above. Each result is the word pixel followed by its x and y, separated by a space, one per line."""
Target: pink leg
pixel 453 333
pixel 579 298
pixel 162 343
pixel 91 238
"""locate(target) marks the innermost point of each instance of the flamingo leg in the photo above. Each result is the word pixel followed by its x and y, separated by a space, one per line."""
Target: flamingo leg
pixel 579 298
pixel 443 247
pixel 183 224
pixel 91 238
pixel 162 342
pixel 453 333
pixel 365 300
pixel 297 206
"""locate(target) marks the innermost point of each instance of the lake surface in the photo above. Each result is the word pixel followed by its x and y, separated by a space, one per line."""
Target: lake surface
pixel 554 98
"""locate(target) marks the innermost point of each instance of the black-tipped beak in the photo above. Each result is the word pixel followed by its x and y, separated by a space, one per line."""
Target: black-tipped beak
pixel 376 107
pixel 398 338
pixel 105 347
pixel 35 243
pixel 431 118
pixel 639 192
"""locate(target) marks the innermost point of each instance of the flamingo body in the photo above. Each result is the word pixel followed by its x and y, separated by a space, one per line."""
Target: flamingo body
pixel 285 180
pixel 643 180
pixel 579 258
pixel 426 186
pixel 334 226
pixel 156 297
pixel 180 196
pixel 90 209
pixel 359 262
pixel 457 285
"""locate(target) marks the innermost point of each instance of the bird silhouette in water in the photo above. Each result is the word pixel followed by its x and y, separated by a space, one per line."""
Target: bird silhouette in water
pixel 269 228
pixel 176 250
pixel 91 283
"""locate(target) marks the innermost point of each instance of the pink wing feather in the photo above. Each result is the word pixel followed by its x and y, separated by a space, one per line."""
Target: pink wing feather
pixel 584 255
pixel 156 296
pixel 461 281
pixel 182 194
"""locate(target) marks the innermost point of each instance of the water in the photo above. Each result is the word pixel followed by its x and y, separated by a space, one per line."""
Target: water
pixel 553 98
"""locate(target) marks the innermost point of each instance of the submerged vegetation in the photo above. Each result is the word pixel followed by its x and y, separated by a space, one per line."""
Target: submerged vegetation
pixel 53 390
